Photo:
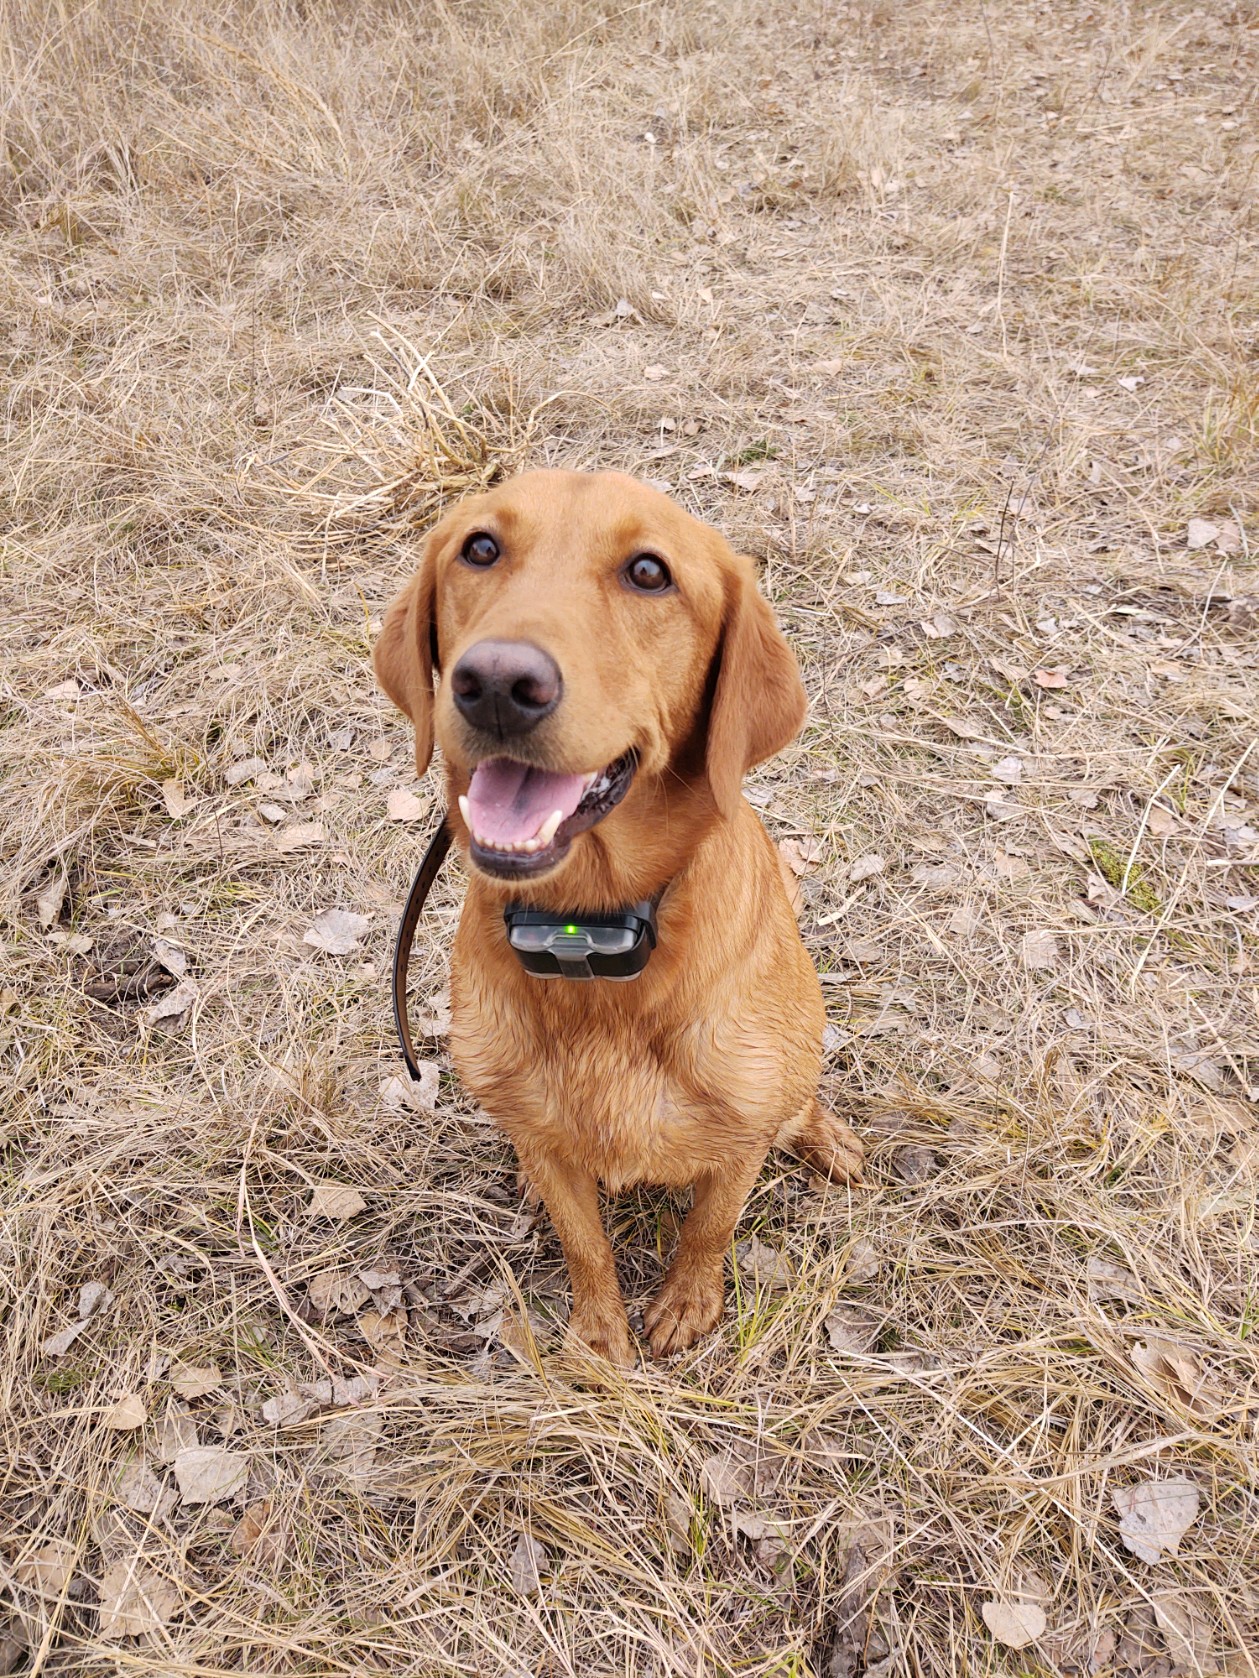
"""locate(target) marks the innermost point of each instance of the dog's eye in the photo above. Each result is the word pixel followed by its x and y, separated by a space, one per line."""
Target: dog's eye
pixel 480 550
pixel 647 573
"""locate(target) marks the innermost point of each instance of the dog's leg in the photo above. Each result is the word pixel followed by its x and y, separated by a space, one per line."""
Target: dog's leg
pixel 824 1142
pixel 691 1298
pixel 572 1199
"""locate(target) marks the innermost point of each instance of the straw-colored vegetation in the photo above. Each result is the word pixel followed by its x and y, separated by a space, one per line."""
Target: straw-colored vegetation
pixel 944 310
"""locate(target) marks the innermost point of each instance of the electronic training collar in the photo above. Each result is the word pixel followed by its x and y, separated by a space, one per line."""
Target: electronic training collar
pixel 614 946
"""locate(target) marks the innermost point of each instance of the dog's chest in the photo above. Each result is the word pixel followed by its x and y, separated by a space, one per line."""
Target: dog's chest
pixel 629 1108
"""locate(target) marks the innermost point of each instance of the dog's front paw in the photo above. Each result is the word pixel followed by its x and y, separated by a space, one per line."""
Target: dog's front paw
pixel 604 1330
pixel 688 1305
pixel 832 1148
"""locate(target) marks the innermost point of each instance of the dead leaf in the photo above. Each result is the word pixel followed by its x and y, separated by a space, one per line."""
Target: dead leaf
pixel 678 1516
pixel 176 800
pixel 1016 1624
pixel 726 1480
pixel 1107 1280
pixel 248 769
pixel 864 951
pixel 1160 822
pixel 135 1600
pixel 935 876
pixel 404 806
pixel 865 867
pixel 1001 809
pixel 300 836
pixel 210 1474
pixel 655 371
pixel 1039 950
pixel 914 1163
pixel 336 931
pixel 1178 1373
pixel 1050 679
pixel 850 1328
pixel 337 1201
pixel 94 1297
pixel 1155 1515
pixel 57 1345
pixel 1008 770
pixel 47 1570
pixel 66 690
pixel 287 1408
pixel 435 1021
pixel 337 1294
pixel 528 1561
pixel 126 1415
pixel 171 957
pixel 862 1263
pixel 385 1333
pixel 1185 1632
pixel 140 1489
pixel 49 901
pixel 349 1443
pixel 195 1380
pixel 258 1534
pixel 799 855
pixel 171 1004
pixel 411 1094
pixel 764 1266
pixel 1200 534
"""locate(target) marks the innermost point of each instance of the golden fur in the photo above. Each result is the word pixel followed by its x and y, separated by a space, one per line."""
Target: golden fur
pixel 688 1075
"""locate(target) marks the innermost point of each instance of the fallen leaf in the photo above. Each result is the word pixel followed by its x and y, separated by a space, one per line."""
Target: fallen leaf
pixel 764 1266
pixel 411 1094
pixel 176 800
pixel 435 1020
pixel 171 1004
pixel 679 1514
pixel 1185 1632
pixel 385 1333
pixel 94 1297
pixel 176 1432
pixel 171 957
pixel 914 1164
pixel 864 951
pixel 300 836
pixel 195 1380
pixel 336 931
pixel 140 1489
pixel 1008 770
pixel 793 853
pixel 49 901
pixel 1050 679
pixel 888 597
pixel 862 1263
pixel 1016 1624
pixel 1243 904
pixel 48 1569
pixel 865 867
pixel 655 371
pixel 1039 950
pixel 337 1201
pixel 1201 534
pixel 404 806
pixel 65 690
pixel 126 1415
pixel 258 1533
pixel 248 769
pixel 57 1345
pixel 1160 822
pixel 726 1480
pixel 349 1443
pixel 287 1408
pixel 528 1561
pixel 1155 1515
pixel 1001 809
pixel 935 876
pixel 1130 381
pixel 135 1600
pixel 849 1328
pixel 337 1294
pixel 1107 1280
pixel 210 1474
pixel 1178 1373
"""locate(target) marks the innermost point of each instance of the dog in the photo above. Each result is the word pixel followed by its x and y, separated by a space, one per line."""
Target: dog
pixel 601 672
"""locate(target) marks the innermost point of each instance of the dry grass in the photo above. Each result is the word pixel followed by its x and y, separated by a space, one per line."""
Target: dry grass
pixel 275 283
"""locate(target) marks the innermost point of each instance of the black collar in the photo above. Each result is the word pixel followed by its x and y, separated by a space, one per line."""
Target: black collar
pixel 614 946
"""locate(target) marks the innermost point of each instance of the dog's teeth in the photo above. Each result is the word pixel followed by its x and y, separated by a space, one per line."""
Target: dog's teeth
pixel 548 830
pixel 465 812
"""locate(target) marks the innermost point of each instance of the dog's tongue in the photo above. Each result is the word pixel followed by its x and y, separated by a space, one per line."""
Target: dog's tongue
pixel 510 801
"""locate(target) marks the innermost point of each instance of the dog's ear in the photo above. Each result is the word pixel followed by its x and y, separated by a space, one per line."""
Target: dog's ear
pixel 758 702
pixel 405 655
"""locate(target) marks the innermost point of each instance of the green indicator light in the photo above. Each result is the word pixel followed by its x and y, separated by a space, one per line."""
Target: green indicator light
pixel 572 931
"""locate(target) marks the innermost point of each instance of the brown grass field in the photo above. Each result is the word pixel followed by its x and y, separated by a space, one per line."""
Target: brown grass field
pixel 947 313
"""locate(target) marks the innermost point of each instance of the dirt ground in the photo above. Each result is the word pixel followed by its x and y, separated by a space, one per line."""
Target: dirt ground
pixel 947 313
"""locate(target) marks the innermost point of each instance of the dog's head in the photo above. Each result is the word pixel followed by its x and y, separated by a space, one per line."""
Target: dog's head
pixel 606 674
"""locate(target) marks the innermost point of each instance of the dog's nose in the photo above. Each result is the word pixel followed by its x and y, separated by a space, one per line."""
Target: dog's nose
pixel 506 687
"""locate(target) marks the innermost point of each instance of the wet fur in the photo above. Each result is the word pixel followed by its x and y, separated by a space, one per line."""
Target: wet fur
pixel 691 1073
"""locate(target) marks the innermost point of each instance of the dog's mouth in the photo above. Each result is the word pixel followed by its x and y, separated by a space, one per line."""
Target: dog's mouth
pixel 522 820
